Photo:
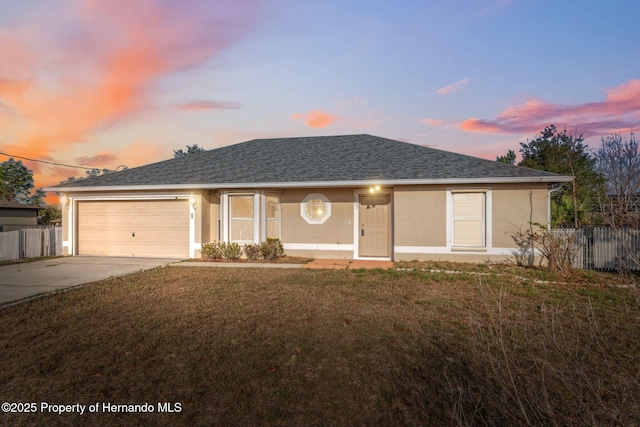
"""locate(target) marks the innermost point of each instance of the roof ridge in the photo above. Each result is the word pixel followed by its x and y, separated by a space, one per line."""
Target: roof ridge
pixel 309 137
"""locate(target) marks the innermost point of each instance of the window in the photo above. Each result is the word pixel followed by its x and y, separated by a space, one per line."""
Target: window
pixel 241 219
pixel 315 208
pixel 469 219
pixel 273 217
pixel 248 218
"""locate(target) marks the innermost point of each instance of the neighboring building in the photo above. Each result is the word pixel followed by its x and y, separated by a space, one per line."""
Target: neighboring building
pixel 14 216
pixel 352 196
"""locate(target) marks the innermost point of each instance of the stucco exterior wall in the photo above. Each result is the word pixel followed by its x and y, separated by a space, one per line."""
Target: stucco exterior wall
pixel 214 211
pixel 337 229
pixel 421 220
pixel 320 254
pixel 514 207
pixel 64 207
pixel 419 214
pixel 201 212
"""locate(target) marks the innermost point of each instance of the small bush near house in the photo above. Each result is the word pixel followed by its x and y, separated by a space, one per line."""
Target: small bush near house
pixel 557 250
pixel 252 252
pixel 212 250
pixel 231 251
pixel 220 250
pixel 272 249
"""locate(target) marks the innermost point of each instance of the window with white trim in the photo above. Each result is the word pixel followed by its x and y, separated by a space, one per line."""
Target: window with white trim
pixel 469 219
pixel 272 215
pixel 249 217
pixel 241 217
pixel 315 208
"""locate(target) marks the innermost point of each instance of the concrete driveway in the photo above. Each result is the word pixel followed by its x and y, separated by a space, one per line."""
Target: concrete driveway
pixel 18 281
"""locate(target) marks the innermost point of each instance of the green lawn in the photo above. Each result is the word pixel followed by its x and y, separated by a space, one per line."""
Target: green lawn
pixel 321 347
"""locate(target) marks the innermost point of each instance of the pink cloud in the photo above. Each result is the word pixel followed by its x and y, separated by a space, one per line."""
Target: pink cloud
pixel 453 87
pixel 478 125
pixel 99 160
pixel 210 105
pixel 432 122
pixel 12 88
pixel 619 111
pixel 17 59
pixel 316 119
pixel 103 61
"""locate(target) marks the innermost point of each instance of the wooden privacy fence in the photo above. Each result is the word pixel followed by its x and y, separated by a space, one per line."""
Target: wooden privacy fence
pixel 604 248
pixel 30 243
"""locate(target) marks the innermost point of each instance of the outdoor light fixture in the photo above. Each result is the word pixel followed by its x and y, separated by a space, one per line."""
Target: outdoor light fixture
pixel 192 200
pixel 64 200
pixel 373 189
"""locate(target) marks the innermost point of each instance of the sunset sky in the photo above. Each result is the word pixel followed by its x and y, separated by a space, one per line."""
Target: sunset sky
pixel 103 83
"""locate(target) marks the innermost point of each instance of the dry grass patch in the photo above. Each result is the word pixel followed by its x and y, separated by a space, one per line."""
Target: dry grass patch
pixel 327 347
pixel 577 276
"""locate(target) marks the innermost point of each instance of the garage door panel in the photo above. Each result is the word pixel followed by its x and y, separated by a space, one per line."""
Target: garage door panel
pixel 150 228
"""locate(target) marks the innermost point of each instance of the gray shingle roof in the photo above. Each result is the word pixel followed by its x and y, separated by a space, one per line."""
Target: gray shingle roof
pixel 6 204
pixel 314 159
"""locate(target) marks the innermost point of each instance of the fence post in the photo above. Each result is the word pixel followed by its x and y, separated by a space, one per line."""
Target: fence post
pixel 589 248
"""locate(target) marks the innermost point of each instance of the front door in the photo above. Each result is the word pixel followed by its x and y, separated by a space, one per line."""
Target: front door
pixel 374 226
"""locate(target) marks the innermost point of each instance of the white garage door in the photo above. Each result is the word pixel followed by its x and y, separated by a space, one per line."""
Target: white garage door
pixel 151 228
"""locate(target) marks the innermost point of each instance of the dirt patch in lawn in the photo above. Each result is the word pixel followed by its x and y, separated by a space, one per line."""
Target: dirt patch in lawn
pixel 324 347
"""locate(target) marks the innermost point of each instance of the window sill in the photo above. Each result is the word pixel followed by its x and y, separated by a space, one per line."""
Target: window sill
pixel 469 249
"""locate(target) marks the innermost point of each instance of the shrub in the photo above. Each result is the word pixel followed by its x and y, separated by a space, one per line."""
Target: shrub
pixel 212 250
pixel 252 252
pixel 272 249
pixel 231 251
pixel 557 248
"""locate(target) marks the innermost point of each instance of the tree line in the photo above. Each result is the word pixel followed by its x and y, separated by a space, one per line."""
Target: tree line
pixel 605 189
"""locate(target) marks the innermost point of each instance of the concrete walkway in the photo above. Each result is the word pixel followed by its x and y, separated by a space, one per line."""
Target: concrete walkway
pixel 209 264
pixel 24 280
pixel 351 264
pixel 332 264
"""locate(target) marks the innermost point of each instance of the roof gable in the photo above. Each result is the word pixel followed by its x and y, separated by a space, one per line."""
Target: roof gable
pixel 327 159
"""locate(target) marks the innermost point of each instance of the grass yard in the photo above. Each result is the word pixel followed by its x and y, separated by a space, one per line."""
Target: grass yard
pixel 331 347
